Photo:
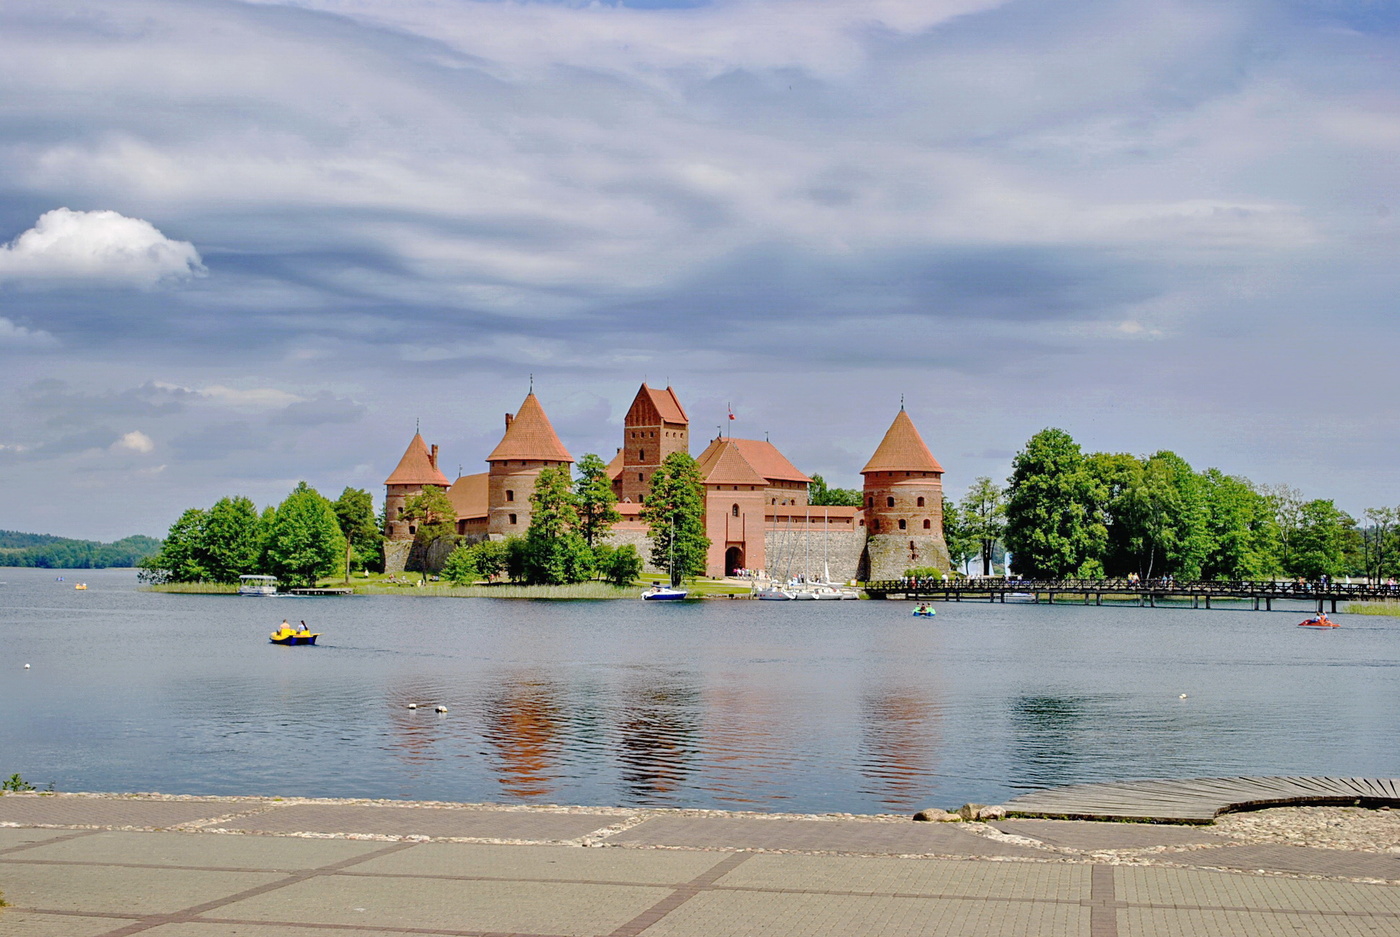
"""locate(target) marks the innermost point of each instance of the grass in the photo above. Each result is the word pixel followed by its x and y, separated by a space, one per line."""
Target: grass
pixel 407 584
pixel 195 588
pixel 1373 608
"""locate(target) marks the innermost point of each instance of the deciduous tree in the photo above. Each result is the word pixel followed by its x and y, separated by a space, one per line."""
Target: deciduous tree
pixel 304 542
pixel 674 511
pixel 597 504
pixel 555 552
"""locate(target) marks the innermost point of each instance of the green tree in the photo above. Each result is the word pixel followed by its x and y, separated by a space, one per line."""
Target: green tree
pixel 962 545
pixel 1319 545
pixel 460 568
pixel 1169 510
pixel 819 494
pixel 554 550
pixel 674 512
pixel 622 566
pixel 1115 479
pixel 434 519
pixel 1287 505
pixel 1052 529
pixel 1242 529
pixel 181 556
pixel 354 512
pixel 597 504
pixel 232 541
pixel 984 517
pixel 516 558
pixel 1377 537
pixel 304 542
pixel 489 558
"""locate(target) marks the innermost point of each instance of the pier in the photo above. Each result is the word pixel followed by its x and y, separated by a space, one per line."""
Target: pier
pixel 1148 592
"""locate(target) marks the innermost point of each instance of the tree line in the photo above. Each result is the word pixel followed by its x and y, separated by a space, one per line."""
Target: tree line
pixel 305 538
pixel 45 551
pixel 1067 514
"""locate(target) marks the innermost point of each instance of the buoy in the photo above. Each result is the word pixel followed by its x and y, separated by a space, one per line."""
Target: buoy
pixel 1182 696
pixel 26 666
pixel 441 709
pixel 412 705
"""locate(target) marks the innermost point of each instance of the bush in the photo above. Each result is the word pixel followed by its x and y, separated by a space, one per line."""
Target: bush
pixel 620 566
pixel 460 567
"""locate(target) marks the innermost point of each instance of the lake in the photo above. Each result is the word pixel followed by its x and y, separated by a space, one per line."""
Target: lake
pixel 797 706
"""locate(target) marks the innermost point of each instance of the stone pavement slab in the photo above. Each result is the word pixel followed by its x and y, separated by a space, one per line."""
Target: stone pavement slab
pixel 928 877
pixel 192 850
pixel 442 822
pixel 84 810
pixel 1303 860
pixel 1165 887
pixel 541 863
pixel 1091 835
pixel 1171 922
pixel 852 836
pixel 15 838
pixel 122 890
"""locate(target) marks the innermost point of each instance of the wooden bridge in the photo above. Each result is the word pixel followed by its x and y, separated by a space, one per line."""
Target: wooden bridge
pixel 1147 592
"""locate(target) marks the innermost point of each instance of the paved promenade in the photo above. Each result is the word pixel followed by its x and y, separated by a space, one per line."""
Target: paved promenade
pixel 84 865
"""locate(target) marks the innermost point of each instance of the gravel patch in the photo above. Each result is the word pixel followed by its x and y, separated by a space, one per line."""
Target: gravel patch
pixel 1352 828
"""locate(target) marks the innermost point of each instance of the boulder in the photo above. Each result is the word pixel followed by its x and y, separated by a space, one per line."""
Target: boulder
pixel 935 815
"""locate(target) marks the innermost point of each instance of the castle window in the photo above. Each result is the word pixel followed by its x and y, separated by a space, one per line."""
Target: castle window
pixel 400 512
pixel 510 495
pixel 920 502
pixel 913 550
pixel 901 524
pixel 641 455
pixel 889 502
pixel 512 518
pixel 870 501
pixel 734 510
pixel 640 477
pixel 413 528
pixel 875 525
pixel 928 524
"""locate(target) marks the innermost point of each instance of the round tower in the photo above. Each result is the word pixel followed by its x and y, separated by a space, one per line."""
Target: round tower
pixel 903 505
pixel 529 446
pixel 417 468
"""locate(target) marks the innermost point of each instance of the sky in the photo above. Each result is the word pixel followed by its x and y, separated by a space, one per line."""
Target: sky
pixel 244 244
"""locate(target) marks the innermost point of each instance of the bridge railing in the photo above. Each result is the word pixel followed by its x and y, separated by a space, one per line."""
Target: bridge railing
pixel 1221 587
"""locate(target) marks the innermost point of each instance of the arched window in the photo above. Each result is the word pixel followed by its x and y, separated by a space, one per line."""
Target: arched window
pixel 875 524
pixel 902 525
pixel 734 510
pixel 510 495
pixel 889 502
pixel 400 512
pixel 920 502
pixel 928 524
pixel 413 528
pixel 641 455
pixel 870 501
pixel 640 477
pixel 512 518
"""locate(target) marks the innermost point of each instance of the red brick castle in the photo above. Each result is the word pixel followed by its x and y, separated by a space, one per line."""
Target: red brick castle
pixel 756 511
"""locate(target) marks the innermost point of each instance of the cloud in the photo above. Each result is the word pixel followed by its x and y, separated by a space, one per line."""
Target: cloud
pixel 97 246
pixel 17 336
pixel 135 441
pixel 324 408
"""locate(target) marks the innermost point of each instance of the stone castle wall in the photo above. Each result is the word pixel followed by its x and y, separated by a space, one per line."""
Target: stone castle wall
pixel 797 553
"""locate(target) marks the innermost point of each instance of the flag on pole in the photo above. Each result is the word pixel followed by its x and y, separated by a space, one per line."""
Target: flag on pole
pixel 731 412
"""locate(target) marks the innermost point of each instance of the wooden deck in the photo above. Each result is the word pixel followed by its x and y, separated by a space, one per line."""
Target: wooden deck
pixel 1200 800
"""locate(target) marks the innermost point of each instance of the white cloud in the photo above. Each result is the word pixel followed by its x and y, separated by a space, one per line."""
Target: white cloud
pixel 253 398
pixel 135 441
pixel 18 335
pixel 103 246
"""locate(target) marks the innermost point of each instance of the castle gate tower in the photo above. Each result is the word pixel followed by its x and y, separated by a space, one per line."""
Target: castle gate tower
pixel 528 446
pixel 903 504
pixel 417 468
pixel 655 427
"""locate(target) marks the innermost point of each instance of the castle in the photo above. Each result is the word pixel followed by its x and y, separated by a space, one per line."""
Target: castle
pixel 757 514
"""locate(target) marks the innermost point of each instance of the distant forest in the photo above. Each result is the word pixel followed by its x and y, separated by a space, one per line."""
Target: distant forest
pixel 49 552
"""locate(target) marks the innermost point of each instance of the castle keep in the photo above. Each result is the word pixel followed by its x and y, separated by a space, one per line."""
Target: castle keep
pixel 757 515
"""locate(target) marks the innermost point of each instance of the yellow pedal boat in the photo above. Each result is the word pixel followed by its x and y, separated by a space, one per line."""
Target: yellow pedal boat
pixel 286 634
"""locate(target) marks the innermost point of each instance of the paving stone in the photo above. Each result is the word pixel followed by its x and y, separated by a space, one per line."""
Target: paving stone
pixel 114 890
pixel 509 907
pixel 466 823
pixel 1303 860
pixel 818 836
pixel 14 923
pixel 1203 889
pixel 633 866
pixel 742 914
pixel 1143 922
pixel 199 850
pixel 77 810
pixel 203 929
pixel 18 838
pixel 1088 835
pixel 947 877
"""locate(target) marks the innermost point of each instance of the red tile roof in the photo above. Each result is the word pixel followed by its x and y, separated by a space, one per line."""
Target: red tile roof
pixel 768 461
pixel 468 496
pixel 667 404
pixel 416 467
pixel 530 437
pixel 722 464
pixel 902 450
pixel 615 466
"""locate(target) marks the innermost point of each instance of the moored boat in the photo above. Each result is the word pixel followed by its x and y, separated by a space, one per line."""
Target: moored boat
pixel 660 593
pixel 257 585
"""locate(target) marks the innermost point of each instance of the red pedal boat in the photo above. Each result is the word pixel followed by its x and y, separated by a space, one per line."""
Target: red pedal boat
pixel 1319 621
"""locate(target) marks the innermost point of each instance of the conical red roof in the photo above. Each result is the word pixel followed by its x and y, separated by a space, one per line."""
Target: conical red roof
pixel 530 437
pixel 902 450
pixel 416 467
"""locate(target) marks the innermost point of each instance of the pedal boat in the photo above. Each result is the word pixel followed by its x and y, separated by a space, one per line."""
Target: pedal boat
pixel 286 634
pixel 1320 621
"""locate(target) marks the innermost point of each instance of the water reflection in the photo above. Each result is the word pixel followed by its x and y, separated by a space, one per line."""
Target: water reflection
pixel 522 718
pixel 658 732
pixel 899 745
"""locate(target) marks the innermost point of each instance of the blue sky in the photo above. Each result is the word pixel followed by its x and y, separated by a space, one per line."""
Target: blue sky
pixel 247 243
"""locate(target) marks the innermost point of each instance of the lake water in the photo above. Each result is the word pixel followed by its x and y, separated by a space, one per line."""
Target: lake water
pixel 797 706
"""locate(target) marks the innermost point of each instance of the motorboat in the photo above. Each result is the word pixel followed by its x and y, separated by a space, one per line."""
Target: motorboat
pixel 257 585
pixel 286 634
pixel 660 593
pixel 772 593
pixel 830 591
pixel 1320 620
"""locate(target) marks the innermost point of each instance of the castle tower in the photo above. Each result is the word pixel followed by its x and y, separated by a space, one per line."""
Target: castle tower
pixel 528 446
pixel 655 427
pixel 417 468
pixel 903 504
